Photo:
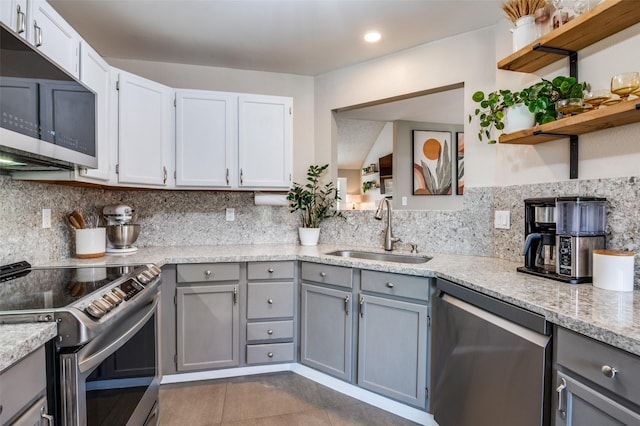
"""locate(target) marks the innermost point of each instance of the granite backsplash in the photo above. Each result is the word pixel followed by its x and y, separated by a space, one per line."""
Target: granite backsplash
pixel 174 218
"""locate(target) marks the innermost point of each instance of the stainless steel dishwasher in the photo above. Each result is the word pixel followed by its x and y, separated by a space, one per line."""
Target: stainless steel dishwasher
pixel 491 361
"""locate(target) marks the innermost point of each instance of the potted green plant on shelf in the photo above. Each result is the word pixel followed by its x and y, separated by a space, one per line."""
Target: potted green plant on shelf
pixel 314 202
pixel 539 99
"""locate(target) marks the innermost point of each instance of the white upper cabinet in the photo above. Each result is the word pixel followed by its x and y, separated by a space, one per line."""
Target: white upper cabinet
pixel 145 123
pixel 13 13
pixel 94 73
pixel 206 139
pixel 54 37
pixel 265 141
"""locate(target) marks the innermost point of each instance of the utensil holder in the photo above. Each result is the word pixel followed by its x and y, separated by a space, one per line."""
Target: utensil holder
pixel 90 243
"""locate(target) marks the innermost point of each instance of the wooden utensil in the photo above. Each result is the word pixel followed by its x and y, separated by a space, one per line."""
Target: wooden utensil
pixel 73 222
pixel 79 219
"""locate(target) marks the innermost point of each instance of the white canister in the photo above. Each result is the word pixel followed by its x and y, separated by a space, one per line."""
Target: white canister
pixel 613 270
pixel 90 242
pixel 524 33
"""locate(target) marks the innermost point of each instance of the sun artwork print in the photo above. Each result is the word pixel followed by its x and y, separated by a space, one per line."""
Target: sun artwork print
pixel 431 163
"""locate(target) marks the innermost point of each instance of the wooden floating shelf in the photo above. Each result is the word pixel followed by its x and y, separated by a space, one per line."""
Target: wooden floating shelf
pixel 604 20
pixel 605 117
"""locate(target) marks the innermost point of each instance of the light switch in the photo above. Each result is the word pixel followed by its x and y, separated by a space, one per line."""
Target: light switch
pixel 231 215
pixel 502 219
pixel 46 218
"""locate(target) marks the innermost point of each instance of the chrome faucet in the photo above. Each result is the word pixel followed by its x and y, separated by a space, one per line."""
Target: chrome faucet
pixel 389 239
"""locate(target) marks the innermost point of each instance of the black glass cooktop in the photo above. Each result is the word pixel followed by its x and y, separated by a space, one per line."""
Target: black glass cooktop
pixel 50 288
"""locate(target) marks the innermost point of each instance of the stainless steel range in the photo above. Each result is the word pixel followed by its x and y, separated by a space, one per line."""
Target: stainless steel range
pixel 102 365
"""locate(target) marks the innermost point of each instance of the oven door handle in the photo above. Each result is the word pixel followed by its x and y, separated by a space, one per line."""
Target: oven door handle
pixel 100 348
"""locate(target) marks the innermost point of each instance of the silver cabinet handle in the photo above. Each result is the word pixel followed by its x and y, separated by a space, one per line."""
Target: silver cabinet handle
pixel 270 354
pixel 37 34
pixel 361 306
pixel 46 416
pixel 241 177
pixel 227 177
pixel 207 273
pixel 323 274
pixel 20 21
pixel 270 270
pixel 164 175
pixel 269 332
pixel 235 295
pixel 270 301
pixel 609 372
pixel 390 285
pixel 346 304
pixel 560 390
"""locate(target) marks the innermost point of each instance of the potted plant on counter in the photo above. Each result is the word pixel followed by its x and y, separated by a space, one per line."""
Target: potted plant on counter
pixel 314 202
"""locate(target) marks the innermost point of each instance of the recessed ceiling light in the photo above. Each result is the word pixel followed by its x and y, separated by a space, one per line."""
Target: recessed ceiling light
pixel 372 37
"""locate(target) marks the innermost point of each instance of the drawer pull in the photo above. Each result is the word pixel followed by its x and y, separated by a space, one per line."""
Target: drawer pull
pixel 270 354
pixel 270 301
pixel 207 273
pixel 270 270
pixel 323 274
pixel 609 372
pixel 269 332
pixel 390 285
pixel 560 390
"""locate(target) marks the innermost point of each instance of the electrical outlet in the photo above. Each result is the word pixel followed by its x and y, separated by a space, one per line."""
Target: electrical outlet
pixel 231 215
pixel 404 201
pixel 46 218
pixel 502 219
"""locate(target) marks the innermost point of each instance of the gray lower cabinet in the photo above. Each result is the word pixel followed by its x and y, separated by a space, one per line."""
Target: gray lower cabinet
pixel 207 316
pixel 392 348
pixel 23 400
pixel 596 384
pixel 326 330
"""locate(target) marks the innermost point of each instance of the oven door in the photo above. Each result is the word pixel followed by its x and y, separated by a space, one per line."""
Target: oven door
pixel 113 379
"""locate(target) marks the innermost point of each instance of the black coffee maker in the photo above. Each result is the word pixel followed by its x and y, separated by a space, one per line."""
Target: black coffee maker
pixel 540 236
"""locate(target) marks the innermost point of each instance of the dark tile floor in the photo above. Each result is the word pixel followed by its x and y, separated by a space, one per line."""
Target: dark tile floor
pixel 278 399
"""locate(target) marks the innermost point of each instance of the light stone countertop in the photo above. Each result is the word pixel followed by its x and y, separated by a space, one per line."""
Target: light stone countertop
pixel 607 316
pixel 19 340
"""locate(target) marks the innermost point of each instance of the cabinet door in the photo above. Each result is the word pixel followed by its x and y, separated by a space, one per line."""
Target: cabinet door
pixel 206 138
pixel 392 349
pixel 208 327
pixel 326 330
pixel 581 405
pixel 35 415
pixel 265 141
pixel 144 125
pixel 94 73
pixel 55 37
pixel 13 13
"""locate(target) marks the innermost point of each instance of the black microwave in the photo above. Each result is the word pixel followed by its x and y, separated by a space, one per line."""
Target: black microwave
pixel 47 117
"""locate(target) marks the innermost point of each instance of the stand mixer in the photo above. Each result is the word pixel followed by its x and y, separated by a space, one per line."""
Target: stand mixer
pixel 121 233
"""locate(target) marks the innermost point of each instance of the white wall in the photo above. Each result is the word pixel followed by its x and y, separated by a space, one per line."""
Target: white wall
pixel 467 58
pixel 232 80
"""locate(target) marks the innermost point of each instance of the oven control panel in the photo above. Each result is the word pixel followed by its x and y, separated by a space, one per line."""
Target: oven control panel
pixel 122 292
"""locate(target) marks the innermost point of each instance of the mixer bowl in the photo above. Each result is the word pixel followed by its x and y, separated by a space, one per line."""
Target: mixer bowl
pixel 122 236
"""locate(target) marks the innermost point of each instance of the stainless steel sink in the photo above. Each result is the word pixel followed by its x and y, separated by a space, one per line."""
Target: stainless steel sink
pixel 385 257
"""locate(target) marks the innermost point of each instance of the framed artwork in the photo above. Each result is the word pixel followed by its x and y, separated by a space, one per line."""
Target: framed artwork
pixel 431 163
pixel 460 163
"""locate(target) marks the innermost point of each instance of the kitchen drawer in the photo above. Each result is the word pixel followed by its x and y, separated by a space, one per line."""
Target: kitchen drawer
pixel 586 357
pixel 395 284
pixel 270 270
pixel 328 274
pixel 208 272
pixel 21 384
pixel 270 330
pixel 270 352
pixel 269 300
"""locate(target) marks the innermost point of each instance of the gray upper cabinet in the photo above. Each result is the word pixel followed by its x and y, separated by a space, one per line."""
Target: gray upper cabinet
pixel 392 348
pixel 610 395
pixel 326 330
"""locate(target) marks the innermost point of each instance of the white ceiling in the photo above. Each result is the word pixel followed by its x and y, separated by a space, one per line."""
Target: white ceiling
pixel 307 37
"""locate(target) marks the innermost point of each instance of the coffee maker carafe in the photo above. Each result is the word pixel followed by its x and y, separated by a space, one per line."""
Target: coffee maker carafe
pixel 560 236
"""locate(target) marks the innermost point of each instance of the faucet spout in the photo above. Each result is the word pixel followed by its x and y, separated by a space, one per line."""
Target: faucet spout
pixel 389 239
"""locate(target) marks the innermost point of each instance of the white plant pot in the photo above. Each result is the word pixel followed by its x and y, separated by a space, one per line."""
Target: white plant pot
pixel 309 236
pixel 518 117
pixel 524 33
